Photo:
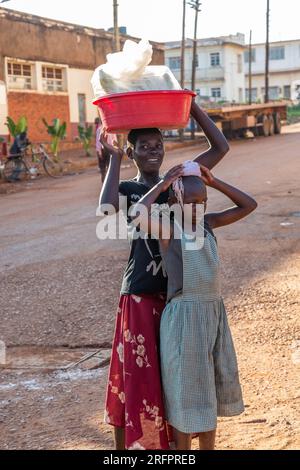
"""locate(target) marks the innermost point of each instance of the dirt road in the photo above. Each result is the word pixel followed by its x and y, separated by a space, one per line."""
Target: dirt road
pixel 59 288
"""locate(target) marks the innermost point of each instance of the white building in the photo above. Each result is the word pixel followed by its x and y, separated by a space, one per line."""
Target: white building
pixel 284 70
pixel 220 74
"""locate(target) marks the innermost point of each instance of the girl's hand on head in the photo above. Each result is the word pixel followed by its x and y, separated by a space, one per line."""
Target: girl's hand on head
pixel 171 176
pixel 113 150
pixel 207 176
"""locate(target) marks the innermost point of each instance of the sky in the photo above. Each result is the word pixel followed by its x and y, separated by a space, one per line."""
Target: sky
pixel 160 20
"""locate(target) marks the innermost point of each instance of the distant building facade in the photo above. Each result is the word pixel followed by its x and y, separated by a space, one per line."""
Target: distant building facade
pixel 284 70
pixel 46 68
pixel 223 66
pixel 220 74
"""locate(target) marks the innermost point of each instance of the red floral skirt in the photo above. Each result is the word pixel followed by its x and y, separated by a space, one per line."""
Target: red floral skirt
pixel 134 398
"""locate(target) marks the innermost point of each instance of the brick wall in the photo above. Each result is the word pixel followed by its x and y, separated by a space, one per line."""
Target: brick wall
pixel 36 106
pixel 31 37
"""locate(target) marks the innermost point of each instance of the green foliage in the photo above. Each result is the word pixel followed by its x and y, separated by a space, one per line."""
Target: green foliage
pixel 58 132
pixel 294 111
pixel 16 128
pixel 86 135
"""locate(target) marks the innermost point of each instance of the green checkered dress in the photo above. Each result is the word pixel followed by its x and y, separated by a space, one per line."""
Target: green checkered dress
pixel 198 361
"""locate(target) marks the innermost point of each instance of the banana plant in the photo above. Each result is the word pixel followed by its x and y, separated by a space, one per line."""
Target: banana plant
pixel 58 132
pixel 86 135
pixel 16 128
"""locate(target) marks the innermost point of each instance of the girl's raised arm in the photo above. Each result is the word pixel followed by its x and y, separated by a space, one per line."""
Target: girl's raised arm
pixel 150 224
pixel 110 189
pixel 244 204
pixel 218 144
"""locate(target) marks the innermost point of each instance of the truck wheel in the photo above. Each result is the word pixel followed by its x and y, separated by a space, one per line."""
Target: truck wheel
pixel 264 128
pixel 277 123
pixel 271 125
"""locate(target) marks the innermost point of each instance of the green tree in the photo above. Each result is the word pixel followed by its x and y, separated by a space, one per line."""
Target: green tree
pixel 16 128
pixel 58 132
pixel 86 135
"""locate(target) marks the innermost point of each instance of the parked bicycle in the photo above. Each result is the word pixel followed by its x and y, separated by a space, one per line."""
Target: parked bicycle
pixel 22 164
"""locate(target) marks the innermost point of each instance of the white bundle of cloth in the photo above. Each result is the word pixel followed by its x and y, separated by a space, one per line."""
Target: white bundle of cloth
pixel 190 168
pixel 129 70
pixel 129 63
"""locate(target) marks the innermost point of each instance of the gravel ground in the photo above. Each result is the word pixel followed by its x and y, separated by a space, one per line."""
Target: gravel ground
pixel 59 290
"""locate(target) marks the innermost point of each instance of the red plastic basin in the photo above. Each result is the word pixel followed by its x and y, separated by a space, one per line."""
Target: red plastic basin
pixel 122 112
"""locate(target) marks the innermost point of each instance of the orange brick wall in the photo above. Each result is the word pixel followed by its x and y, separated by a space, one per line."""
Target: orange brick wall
pixel 36 106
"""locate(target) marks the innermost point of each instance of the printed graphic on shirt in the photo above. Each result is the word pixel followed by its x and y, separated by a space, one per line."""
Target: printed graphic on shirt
pixel 144 272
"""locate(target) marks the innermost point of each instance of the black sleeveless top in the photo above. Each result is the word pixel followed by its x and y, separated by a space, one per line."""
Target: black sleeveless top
pixel 144 273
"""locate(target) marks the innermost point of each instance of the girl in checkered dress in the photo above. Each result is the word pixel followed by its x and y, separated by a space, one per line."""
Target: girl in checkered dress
pixel 198 361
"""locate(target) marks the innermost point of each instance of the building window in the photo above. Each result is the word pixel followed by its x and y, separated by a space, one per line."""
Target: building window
pixel 287 92
pixel 82 109
pixel 52 79
pixel 197 61
pixel 253 94
pixel 247 55
pixel 216 92
pixel 240 63
pixel 277 53
pixel 215 59
pixel 274 92
pixel 174 63
pixel 19 76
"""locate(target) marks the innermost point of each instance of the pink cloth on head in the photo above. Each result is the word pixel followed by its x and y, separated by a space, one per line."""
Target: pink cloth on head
pixel 190 168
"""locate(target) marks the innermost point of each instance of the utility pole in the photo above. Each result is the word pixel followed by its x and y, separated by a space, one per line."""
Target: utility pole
pixel 195 4
pixel 250 68
pixel 116 27
pixel 182 62
pixel 117 47
pixel 267 54
pixel 182 69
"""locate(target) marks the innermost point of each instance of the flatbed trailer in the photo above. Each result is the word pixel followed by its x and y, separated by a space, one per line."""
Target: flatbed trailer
pixel 262 119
